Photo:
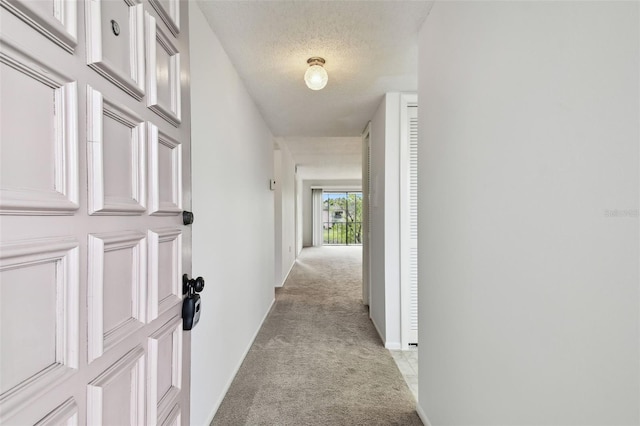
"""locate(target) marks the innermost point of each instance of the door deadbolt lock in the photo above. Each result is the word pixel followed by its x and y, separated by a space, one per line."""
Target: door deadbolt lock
pixel 192 285
pixel 192 302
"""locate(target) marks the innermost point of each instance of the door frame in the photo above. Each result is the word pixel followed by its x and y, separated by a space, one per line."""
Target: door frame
pixel 366 191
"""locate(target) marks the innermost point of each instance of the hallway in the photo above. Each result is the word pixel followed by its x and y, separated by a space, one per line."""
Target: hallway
pixel 317 359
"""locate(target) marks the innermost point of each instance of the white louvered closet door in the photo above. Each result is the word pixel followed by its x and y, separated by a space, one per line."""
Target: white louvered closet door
pixel 413 223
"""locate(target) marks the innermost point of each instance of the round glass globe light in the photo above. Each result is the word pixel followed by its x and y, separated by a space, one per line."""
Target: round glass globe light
pixel 316 77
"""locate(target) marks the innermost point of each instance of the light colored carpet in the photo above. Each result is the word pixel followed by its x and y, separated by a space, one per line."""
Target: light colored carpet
pixel 317 359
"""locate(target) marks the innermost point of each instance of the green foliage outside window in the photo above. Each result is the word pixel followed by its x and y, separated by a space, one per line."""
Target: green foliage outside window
pixel 342 218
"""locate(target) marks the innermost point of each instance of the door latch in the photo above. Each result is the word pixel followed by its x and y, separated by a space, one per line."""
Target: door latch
pixel 187 217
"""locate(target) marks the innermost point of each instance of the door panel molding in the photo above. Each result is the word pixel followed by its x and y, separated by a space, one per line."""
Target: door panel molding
pixel 61 27
pixel 174 418
pixel 61 198
pixel 131 80
pixel 170 17
pixel 160 404
pixel 62 257
pixel 132 366
pixel 65 414
pixel 158 41
pixel 99 203
pixel 100 338
pixel 159 141
pixel 160 303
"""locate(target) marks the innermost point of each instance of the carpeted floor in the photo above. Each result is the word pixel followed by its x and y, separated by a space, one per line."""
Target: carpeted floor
pixel 317 359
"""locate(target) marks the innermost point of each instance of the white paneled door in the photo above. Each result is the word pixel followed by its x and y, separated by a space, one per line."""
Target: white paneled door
pixel 94 176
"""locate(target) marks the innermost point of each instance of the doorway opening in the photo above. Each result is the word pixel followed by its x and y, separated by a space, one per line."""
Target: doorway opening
pixel 342 218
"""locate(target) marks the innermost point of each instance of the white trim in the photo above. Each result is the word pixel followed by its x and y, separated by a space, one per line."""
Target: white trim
pixel 422 415
pixel 66 414
pixel 406 100
pixel 61 27
pixel 156 139
pixel 174 418
pixel 64 253
pixel 364 188
pixel 133 364
pixel 173 112
pixel 287 275
pixel 157 306
pixel 131 82
pixel 126 204
pixel 388 345
pixel 339 188
pixel 158 405
pixel 393 346
pixel 237 368
pixel 63 199
pixel 99 339
pixel 316 217
pixel 170 17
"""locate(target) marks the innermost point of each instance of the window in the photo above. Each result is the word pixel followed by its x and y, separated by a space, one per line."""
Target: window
pixel 342 218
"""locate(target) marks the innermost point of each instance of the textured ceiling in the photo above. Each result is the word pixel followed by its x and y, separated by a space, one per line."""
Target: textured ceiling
pixel 370 48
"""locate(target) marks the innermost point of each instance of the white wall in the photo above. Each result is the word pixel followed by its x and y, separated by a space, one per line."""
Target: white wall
pixel 299 186
pixel 233 230
pixel 277 215
pixel 528 281
pixel 384 216
pixel 376 221
pixel 285 214
pixel 307 202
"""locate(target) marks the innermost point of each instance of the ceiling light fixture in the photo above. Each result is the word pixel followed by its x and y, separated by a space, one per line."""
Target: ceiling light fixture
pixel 316 76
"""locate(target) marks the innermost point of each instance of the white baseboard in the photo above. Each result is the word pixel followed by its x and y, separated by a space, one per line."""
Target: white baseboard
pixel 394 346
pixel 377 329
pixel 235 370
pixel 422 415
pixel 388 345
pixel 284 280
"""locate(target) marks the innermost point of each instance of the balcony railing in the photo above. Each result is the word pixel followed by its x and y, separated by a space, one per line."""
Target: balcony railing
pixel 342 233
